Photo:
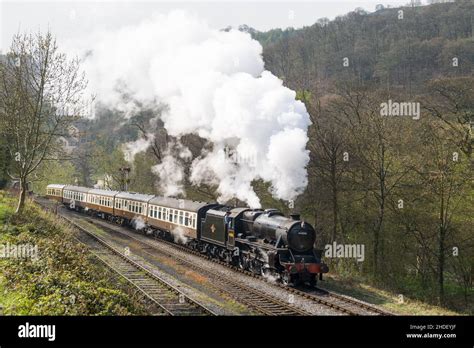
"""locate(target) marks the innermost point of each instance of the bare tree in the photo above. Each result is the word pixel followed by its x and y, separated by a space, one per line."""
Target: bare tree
pixel 41 93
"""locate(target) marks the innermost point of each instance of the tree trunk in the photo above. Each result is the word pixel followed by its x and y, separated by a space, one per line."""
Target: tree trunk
pixel 334 201
pixel 21 200
pixel 441 239
pixel 441 266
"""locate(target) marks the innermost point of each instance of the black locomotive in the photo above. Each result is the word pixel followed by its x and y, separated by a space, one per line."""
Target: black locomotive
pixel 264 242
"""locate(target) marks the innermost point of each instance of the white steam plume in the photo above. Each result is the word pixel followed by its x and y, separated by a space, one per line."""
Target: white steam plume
pixel 179 235
pixel 138 223
pixel 215 85
pixel 171 176
pixel 130 149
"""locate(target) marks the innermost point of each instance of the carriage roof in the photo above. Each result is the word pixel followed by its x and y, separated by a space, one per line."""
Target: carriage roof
pixel 77 188
pixel 175 203
pixel 133 196
pixel 55 186
pixel 107 193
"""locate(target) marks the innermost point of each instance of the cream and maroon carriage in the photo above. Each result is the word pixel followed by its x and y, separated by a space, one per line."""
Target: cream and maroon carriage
pixel 101 202
pixel 75 197
pixel 55 192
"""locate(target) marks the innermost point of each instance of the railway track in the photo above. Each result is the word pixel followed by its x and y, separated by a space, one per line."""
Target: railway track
pixel 170 300
pixel 323 297
pixel 256 299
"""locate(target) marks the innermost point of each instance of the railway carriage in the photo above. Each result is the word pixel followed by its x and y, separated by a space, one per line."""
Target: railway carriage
pixel 101 201
pixel 130 206
pixel 179 216
pixel 55 192
pixel 75 197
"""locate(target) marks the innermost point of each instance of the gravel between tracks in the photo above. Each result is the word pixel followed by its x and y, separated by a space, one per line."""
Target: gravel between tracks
pixel 265 286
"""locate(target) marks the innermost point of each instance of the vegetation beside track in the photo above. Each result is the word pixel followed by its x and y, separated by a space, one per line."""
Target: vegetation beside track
pixel 64 278
pixel 387 299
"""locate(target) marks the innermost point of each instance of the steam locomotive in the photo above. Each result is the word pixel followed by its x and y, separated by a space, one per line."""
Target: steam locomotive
pixel 262 241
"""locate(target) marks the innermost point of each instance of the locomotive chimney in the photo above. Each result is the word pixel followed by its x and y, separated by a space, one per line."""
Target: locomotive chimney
pixel 295 216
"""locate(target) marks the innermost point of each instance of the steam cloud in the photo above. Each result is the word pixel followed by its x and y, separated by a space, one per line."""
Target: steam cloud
pixel 215 85
pixel 138 223
pixel 179 235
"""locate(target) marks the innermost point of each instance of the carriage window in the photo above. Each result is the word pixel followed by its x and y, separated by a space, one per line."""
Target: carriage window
pixel 186 219
pixel 181 218
pixel 194 220
pixel 170 215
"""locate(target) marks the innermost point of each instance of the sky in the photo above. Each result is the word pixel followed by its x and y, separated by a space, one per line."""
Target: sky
pixel 72 19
